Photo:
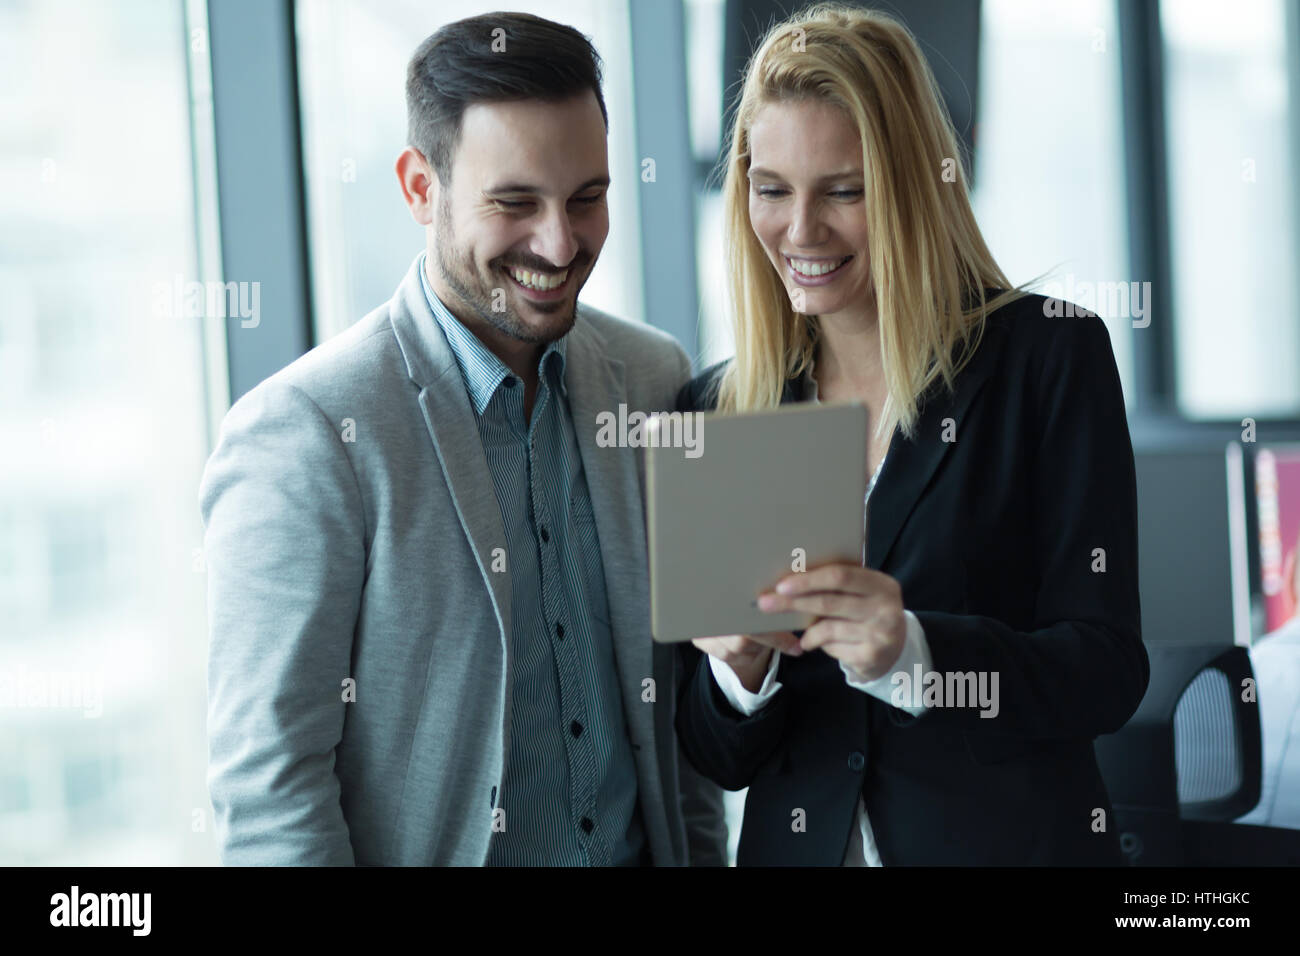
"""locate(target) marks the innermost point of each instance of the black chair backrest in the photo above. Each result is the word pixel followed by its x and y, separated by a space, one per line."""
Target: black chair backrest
pixel 1217 742
pixel 1191 752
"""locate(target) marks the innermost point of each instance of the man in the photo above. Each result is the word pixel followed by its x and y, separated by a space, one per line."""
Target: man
pixel 428 601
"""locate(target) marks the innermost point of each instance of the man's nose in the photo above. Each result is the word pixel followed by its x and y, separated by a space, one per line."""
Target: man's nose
pixel 554 240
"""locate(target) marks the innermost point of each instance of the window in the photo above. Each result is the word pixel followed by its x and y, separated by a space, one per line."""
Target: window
pixel 704 50
pixel 1232 209
pixel 1049 184
pixel 105 432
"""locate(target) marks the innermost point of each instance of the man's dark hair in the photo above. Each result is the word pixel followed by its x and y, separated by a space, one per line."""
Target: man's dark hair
pixel 533 59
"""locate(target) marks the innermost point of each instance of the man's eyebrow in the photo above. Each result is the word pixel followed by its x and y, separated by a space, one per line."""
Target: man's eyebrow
pixel 761 173
pixel 532 189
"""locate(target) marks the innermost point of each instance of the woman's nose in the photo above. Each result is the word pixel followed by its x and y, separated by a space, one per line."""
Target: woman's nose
pixel 806 229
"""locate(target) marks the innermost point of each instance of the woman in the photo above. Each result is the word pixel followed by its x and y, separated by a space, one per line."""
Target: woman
pixel 1000 577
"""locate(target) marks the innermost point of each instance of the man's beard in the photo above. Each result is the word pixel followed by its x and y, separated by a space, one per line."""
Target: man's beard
pixel 456 267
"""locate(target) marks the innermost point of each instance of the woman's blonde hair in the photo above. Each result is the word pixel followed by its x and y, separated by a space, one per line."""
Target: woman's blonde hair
pixel 929 264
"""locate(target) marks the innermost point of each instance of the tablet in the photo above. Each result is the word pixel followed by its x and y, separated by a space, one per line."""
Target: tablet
pixel 752 498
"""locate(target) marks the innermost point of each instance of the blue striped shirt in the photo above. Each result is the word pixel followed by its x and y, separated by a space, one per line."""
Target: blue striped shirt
pixel 569 790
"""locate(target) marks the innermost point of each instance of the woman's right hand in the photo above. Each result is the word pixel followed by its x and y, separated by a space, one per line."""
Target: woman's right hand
pixel 749 654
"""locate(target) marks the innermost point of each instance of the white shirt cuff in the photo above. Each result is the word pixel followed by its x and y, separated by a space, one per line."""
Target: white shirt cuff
pixel 916 650
pixel 737 696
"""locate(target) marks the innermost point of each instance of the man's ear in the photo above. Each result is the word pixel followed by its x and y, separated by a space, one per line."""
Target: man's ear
pixel 419 184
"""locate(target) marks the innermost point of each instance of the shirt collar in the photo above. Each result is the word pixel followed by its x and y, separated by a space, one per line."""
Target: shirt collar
pixel 479 366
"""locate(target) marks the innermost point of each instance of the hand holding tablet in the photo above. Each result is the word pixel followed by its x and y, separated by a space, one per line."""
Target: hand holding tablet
pixel 768 493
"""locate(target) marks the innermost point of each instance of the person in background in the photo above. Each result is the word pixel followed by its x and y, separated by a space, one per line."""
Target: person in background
pixel 941 709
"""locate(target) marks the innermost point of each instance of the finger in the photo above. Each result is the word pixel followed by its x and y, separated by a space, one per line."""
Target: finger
pixel 822 603
pixel 723 646
pixel 828 577
pixel 836 629
pixel 858 657
pixel 783 641
pixel 733 647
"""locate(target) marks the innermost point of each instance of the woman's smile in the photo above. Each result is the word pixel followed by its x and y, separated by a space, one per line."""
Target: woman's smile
pixel 812 272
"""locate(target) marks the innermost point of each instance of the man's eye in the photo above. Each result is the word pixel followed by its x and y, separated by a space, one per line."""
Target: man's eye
pixel 591 200
pixel 512 204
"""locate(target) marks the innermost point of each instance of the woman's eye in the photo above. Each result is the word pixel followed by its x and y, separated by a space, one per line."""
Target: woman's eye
pixel 769 192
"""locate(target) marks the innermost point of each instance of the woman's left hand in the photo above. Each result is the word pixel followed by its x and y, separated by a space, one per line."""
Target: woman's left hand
pixel 859 612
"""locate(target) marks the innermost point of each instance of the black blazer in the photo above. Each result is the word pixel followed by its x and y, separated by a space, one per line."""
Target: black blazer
pixel 993 537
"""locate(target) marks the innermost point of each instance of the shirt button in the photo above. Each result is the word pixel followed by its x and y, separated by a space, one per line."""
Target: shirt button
pixel 587 825
pixel 856 761
pixel 559 630
pixel 575 728
pixel 545 536
pixel 508 381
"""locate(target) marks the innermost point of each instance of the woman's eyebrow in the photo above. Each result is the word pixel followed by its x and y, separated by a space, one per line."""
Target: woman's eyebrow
pixel 761 173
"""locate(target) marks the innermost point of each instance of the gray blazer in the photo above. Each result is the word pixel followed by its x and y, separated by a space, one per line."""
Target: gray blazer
pixel 358 679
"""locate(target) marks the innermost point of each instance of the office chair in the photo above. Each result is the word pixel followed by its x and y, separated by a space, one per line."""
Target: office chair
pixel 1189 762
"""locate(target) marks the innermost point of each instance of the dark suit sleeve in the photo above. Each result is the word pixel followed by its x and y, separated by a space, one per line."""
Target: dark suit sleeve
pixel 1082 670
pixel 718 740
pixel 700 394
pixel 685 398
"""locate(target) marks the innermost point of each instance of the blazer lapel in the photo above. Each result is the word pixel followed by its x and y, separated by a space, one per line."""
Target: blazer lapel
pixel 450 420
pixel 596 383
pixel 910 464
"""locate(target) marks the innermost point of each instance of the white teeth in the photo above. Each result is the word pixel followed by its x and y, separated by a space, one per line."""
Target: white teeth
pixel 535 280
pixel 813 269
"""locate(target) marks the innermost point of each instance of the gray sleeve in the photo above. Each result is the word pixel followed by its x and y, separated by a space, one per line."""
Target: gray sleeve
pixel 285 553
pixel 704 814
